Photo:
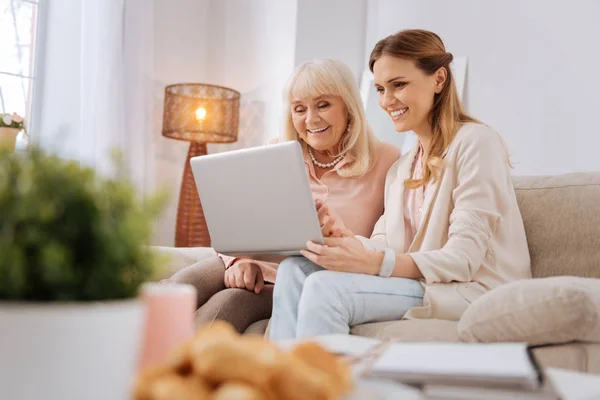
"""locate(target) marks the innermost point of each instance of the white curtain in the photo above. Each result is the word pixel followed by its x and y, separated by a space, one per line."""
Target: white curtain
pixel 102 77
pixel 109 85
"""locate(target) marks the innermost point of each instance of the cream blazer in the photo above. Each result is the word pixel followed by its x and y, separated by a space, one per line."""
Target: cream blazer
pixel 471 239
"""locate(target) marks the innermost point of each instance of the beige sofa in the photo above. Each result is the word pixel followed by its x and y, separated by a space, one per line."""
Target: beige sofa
pixel 560 315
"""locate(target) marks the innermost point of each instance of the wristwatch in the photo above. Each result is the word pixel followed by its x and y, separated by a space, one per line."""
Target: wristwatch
pixel 388 263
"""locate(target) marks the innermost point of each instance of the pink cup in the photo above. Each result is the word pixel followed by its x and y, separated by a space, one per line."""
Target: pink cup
pixel 169 319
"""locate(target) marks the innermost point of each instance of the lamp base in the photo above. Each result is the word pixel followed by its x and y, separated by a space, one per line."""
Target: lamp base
pixel 191 229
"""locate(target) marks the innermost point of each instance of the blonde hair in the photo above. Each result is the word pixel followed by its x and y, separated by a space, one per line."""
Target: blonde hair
pixel 334 78
pixel 447 115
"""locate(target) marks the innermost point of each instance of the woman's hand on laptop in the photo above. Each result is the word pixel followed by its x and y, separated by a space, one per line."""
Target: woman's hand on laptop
pixel 331 224
pixel 244 274
pixel 345 254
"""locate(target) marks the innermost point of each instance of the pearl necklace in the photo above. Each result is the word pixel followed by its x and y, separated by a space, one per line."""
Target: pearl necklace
pixel 321 165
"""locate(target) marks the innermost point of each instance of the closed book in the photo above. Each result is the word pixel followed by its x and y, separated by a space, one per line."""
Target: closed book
pixel 446 392
pixel 493 365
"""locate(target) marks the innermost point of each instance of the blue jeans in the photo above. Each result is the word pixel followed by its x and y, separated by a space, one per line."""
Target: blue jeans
pixel 309 300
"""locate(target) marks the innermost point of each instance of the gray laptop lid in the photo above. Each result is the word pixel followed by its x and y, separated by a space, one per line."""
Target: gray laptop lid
pixel 258 200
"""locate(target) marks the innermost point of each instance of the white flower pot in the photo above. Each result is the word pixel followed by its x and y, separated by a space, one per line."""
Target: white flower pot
pixel 71 351
pixel 8 137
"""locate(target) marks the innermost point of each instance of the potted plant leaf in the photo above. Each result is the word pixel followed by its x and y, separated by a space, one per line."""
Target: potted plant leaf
pixel 10 126
pixel 72 256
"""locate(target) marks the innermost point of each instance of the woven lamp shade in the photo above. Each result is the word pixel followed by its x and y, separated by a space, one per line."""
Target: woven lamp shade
pixel 201 114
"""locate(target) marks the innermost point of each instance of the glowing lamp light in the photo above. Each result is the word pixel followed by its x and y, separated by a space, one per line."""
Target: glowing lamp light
pixel 201 114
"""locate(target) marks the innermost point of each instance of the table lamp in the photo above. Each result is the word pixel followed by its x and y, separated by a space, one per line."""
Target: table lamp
pixel 201 114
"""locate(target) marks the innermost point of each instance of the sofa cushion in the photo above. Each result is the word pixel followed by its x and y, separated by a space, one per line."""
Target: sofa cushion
pixel 562 223
pixel 577 356
pixel 536 311
pixel 257 328
pixel 411 330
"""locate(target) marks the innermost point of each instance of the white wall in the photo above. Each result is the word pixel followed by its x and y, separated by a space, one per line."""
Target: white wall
pixel 251 50
pixel 181 32
pixel 338 29
pixel 332 29
pixel 531 71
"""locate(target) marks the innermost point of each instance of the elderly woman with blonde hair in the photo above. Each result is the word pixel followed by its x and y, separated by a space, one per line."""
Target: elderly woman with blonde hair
pixel 346 166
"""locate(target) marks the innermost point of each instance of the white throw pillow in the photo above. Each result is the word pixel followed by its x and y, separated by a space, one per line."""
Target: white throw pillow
pixel 537 311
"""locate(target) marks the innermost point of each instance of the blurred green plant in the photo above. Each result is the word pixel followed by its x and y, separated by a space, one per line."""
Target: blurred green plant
pixel 67 234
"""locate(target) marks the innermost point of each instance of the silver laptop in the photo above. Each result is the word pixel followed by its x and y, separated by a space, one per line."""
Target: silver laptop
pixel 257 202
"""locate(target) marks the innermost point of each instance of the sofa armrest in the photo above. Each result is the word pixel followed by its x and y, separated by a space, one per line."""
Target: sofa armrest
pixel 173 259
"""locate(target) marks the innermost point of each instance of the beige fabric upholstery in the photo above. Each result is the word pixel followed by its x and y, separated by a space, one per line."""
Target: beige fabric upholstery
pixel 257 328
pixel 583 357
pixel 537 311
pixel 417 330
pixel 172 259
pixel 433 330
pixel 562 223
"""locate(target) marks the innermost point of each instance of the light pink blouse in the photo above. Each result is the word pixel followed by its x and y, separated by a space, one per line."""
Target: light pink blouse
pixel 414 199
pixel 358 201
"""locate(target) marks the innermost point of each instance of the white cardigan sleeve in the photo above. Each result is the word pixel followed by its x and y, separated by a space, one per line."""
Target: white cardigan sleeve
pixel 482 192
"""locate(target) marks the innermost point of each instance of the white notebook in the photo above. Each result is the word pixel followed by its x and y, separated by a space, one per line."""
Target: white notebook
pixel 503 365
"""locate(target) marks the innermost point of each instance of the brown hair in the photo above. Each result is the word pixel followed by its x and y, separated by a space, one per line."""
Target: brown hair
pixel 447 115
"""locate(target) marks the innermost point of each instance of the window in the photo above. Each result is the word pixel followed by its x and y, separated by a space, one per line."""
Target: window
pixel 18 25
